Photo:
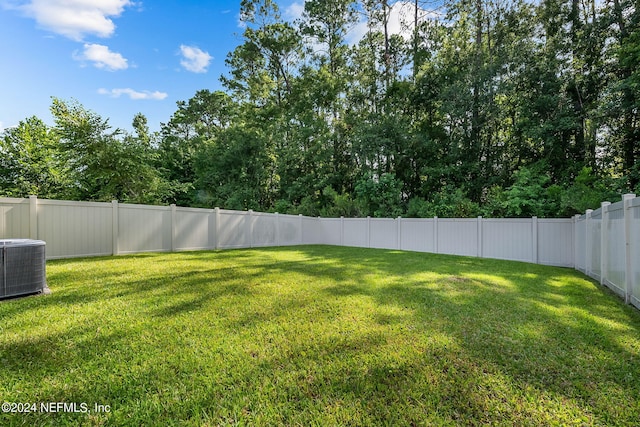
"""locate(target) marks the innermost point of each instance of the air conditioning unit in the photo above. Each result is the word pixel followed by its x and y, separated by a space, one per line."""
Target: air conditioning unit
pixel 22 267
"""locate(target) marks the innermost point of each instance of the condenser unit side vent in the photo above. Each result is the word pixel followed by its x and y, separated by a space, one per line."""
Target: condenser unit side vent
pixel 22 267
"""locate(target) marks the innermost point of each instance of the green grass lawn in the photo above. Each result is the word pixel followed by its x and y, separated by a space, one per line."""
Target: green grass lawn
pixel 319 335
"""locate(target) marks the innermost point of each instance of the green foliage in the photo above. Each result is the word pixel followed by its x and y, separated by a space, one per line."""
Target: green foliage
pixel 447 203
pixel 30 162
pixel 337 205
pixel 106 165
pixel 531 193
pixel 587 192
pixel 380 197
pixel 235 170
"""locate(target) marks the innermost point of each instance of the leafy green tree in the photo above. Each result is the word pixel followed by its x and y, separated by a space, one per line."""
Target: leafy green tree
pixel 587 192
pixel 194 124
pixel 30 161
pixel 105 164
pixel 531 194
pixel 381 197
pixel 236 171
pixel 622 101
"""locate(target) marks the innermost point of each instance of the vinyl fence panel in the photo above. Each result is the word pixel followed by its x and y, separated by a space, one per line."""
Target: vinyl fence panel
pixel 331 231
pixel 312 231
pixel 194 229
pixel 458 236
pixel 14 218
pixel 289 230
pixel 509 239
pixel 594 236
pixel 234 230
pixel 264 229
pixel 73 229
pixel 615 249
pixel 384 233
pixel 144 228
pixel 555 242
pixel 634 249
pixel 356 232
pixel 418 234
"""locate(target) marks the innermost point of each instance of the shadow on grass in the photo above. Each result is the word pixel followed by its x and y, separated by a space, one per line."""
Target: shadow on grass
pixel 446 340
pixel 548 328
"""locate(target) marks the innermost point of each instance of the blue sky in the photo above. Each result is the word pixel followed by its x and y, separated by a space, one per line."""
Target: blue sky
pixel 120 57
pixel 116 57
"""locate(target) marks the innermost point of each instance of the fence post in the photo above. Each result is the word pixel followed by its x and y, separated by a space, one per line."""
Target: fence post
pixel 534 239
pixel 341 231
pixel 604 206
pixel 628 272
pixel 479 234
pixel 301 229
pixel 588 255
pixel 250 228
pixel 368 231
pixel 216 237
pixel 211 226
pixel 174 225
pixel 435 234
pixel 33 217
pixel 115 227
pixel 399 234
pixel 575 241
pixel 277 229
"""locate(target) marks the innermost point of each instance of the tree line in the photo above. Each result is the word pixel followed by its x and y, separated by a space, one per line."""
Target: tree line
pixel 488 107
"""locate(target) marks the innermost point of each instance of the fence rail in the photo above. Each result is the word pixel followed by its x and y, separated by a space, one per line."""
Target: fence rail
pixel 604 244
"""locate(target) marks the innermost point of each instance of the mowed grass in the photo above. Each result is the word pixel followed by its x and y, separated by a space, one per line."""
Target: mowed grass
pixel 320 335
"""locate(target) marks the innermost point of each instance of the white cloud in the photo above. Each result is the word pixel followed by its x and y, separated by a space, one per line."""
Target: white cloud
pixel 194 59
pixel 294 11
pixel 133 94
pixel 76 18
pixel 102 57
pixel 402 15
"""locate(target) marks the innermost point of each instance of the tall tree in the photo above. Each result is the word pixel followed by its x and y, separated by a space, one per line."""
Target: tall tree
pixel 30 161
pixel 105 164
pixel 195 123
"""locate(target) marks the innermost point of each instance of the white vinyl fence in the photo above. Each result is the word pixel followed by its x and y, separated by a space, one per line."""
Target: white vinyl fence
pixel 75 229
pixel 604 244
pixel 608 246
pixel 541 241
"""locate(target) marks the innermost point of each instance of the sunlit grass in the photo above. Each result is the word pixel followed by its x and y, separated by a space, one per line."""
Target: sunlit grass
pixel 320 336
